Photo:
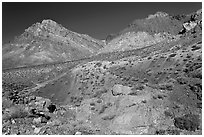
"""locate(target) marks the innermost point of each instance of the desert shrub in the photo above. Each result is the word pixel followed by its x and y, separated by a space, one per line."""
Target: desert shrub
pixel 188 122
pixel 172 132
pixel 172 55
pixel 166 86
pixel 15 112
pixel 160 132
pixel 99 93
pixel 195 48
pixel 182 80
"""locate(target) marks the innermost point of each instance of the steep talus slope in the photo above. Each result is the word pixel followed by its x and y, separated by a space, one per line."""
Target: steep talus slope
pixel 48 42
pixel 154 89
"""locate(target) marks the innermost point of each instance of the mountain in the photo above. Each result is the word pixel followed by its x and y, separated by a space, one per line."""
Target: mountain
pixel 147 83
pixel 48 42
pixel 154 29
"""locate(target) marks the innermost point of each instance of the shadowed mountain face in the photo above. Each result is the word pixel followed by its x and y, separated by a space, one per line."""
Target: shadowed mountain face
pixel 146 80
pixel 48 42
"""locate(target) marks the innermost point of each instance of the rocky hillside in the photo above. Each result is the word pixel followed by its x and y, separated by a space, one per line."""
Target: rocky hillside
pixel 154 29
pixel 153 87
pixel 48 42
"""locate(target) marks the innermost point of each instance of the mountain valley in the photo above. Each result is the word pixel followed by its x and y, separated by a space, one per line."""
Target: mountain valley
pixel 144 80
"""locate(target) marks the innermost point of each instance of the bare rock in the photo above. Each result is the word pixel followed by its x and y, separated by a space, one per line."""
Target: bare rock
pixel 189 26
pixel 121 90
pixel 78 133
pixel 37 120
pixel 37 130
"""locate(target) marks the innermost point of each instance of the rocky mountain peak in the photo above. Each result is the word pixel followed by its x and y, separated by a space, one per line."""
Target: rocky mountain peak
pixel 45 27
pixel 48 42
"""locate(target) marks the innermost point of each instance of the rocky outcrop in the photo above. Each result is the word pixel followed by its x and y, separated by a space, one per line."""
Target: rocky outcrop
pixel 189 26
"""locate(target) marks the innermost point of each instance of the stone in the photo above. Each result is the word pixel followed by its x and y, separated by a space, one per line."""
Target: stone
pixel 78 133
pixel 54 122
pixel 51 108
pixel 120 89
pixel 189 26
pixel 37 130
pixel 37 120
pixel 13 121
pixel 45 119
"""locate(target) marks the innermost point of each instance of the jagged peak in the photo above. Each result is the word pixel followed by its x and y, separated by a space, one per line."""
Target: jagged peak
pixel 158 14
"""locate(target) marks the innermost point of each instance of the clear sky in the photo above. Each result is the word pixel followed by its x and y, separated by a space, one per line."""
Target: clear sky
pixel 95 19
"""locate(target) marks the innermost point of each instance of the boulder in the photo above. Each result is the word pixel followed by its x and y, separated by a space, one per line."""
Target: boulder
pixel 189 26
pixel 121 90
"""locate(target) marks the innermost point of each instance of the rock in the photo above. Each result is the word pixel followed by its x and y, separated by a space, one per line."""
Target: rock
pixel 51 108
pixel 42 103
pixel 37 120
pixel 54 122
pixel 37 130
pixel 121 90
pixel 13 121
pixel 189 26
pixel 78 133
pixel 45 119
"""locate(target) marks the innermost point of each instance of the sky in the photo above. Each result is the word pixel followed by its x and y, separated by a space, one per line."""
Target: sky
pixel 95 19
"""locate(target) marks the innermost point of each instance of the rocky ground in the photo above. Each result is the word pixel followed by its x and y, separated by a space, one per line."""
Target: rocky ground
pixel 153 89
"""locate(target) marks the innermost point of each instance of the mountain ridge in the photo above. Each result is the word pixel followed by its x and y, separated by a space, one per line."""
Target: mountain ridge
pixel 49 41
pixel 156 28
pixel 148 24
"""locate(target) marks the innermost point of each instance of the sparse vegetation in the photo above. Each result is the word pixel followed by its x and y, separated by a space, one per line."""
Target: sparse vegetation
pixel 139 90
